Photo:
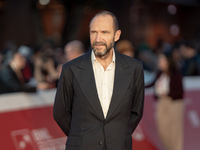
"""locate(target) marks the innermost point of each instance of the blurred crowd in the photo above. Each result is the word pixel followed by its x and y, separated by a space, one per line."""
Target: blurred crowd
pixel 32 68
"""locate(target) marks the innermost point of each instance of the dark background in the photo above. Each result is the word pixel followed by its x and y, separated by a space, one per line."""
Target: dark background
pixel 28 22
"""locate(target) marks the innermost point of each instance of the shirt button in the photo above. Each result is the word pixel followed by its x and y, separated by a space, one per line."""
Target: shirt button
pixel 100 142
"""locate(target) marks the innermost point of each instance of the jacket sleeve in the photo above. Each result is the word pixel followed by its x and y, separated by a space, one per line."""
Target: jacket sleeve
pixel 62 110
pixel 138 101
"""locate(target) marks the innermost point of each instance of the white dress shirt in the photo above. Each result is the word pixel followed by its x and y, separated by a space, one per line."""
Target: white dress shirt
pixel 104 81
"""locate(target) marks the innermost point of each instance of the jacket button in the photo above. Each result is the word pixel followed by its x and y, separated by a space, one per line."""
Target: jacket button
pixel 105 123
pixel 100 142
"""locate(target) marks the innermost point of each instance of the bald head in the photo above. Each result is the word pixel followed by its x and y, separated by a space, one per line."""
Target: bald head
pixel 73 49
pixel 105 13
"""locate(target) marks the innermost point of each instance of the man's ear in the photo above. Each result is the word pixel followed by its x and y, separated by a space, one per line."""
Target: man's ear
pixel 117 35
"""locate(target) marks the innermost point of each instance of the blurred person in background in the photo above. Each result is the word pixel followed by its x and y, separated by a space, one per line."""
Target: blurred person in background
pixel 125 47
pixel 176 55
pixel 12 79
pixel 45 71
pixel 148 57
pixel 170 107
pixel 59 55
pixel 191 59
pixel 72 50
pixel 27 71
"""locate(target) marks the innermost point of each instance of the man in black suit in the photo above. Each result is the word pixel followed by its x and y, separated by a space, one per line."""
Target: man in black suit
pixel 100 96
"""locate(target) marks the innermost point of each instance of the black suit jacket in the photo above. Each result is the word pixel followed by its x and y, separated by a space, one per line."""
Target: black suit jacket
pixel 78 112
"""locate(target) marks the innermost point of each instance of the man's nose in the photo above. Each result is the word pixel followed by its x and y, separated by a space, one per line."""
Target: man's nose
pixel 98 38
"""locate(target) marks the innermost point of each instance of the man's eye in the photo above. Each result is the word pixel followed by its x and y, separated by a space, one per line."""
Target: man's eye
pixel 105 32
pixel 92 32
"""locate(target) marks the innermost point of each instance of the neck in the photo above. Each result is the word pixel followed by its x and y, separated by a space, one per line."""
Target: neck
pixel 106 59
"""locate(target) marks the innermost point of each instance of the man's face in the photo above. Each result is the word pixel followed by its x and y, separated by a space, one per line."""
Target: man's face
pixel 102 35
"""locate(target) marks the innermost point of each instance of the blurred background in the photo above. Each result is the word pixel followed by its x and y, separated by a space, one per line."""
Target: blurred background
pixel 142 21
pixel 38 36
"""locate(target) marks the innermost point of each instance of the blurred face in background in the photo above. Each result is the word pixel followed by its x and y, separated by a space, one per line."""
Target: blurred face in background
pixel 183 51
pixel 125 47
pixel 19 61
pixel 163 64
pixel 73 50
pixel 187 52
pixel 103 35
pixel 70 54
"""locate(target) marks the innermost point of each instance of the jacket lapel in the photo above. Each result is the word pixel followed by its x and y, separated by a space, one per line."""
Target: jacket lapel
pixel 85 76
pixel 121 83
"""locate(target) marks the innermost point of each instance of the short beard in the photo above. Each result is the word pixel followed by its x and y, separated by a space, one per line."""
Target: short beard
pixel 105 51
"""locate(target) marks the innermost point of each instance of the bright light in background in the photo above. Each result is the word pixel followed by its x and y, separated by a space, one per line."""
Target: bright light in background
pixel 174 29
pixel 172 9
pixel 44 2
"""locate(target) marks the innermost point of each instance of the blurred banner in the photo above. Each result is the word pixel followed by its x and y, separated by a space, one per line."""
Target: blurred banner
pixel 27 121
